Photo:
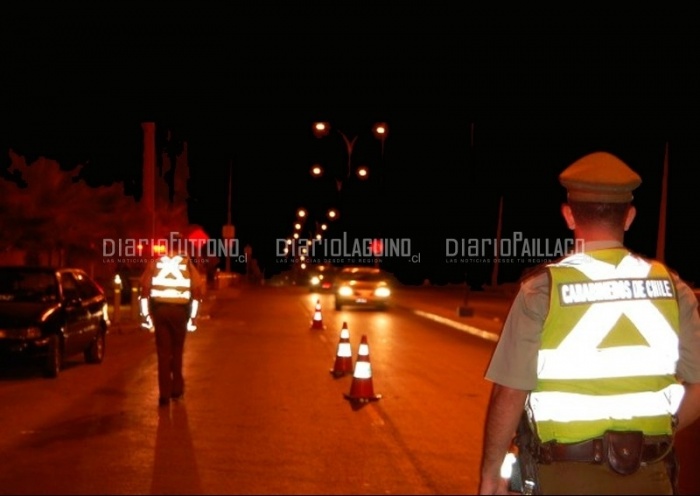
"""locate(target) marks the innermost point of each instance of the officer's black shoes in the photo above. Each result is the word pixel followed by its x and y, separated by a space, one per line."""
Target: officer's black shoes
pixel 163 401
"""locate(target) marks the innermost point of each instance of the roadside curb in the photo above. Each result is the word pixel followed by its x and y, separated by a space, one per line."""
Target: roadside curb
pixel 445 307
pixel 466 324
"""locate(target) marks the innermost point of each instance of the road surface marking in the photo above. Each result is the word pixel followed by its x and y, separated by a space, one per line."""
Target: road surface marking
pixel 474 331
pixel 376 419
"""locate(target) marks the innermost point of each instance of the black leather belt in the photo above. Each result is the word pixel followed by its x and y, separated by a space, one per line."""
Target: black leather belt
pixel 592 450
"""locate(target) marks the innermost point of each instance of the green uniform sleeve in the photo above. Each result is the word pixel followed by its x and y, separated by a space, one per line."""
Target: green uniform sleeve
pixel 514 361
pixel 146 276
pixel 688 368
pixel 198 282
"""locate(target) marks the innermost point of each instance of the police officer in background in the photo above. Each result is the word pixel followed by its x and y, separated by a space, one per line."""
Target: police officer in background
pixel 599 358
pixel 171 290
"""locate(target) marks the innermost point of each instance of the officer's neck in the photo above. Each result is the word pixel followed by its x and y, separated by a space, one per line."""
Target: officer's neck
pixel 592 234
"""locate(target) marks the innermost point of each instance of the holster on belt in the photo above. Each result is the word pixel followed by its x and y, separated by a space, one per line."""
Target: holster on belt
pixel 624 450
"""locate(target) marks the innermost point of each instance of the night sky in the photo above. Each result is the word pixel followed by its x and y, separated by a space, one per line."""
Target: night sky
pixel 243 92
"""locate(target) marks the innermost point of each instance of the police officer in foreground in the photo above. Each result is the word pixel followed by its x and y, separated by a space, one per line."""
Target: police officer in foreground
pixel 598 364
pixel 171 290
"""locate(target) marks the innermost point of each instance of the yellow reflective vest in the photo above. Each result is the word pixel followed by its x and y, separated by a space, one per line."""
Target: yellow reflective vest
pixel 171 281
pixel 609 349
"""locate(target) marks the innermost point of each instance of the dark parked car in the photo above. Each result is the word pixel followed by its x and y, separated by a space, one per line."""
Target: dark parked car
pixel 51 313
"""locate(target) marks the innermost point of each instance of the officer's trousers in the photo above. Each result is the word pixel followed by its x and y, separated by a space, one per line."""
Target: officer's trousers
pixel 595 478
pixel 170 322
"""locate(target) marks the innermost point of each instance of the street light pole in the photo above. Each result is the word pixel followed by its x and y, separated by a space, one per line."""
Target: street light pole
pixel 228 230
pixel 349 145
pixel 380 131
pixel 465 310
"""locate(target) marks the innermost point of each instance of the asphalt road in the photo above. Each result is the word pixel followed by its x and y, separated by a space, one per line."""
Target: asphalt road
pixel 262 414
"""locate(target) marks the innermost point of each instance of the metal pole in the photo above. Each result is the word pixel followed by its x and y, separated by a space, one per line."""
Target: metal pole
pixel 661 236
pixel 135 310
pixel 117 304
pixel 349 144
pixel 149 175
pixel 228 217
pixel 497 251
pixel 465 310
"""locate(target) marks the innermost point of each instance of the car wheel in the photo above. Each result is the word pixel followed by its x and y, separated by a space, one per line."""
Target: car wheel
pixel 54 358
pixel 95 353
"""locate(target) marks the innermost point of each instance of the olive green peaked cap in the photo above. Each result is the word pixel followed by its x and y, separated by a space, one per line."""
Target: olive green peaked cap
pixel 600 177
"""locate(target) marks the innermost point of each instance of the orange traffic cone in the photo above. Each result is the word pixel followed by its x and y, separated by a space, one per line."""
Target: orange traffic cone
pixel 362 389
pixel 343 357
pixel 317 322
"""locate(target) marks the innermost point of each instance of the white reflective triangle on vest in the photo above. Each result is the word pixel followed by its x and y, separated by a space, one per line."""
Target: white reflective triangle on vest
pixel 569 407
pixel 578 355
pixel 170 273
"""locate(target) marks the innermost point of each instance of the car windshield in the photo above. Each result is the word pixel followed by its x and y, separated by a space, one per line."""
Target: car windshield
pixel 19 284
pixel 361 275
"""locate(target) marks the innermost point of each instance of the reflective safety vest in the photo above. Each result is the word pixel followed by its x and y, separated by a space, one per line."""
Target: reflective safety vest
pixel 171 282
pixel 609 349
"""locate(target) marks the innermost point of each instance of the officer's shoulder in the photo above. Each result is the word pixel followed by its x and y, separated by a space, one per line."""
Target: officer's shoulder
pixel 537 274
pixel 650 260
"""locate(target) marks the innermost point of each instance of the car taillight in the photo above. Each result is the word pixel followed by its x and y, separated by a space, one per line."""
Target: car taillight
pixel 21 333
pixel 33 333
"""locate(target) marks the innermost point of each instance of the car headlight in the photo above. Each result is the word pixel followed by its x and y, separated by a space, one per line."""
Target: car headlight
pixel 315 281
pixel 345 291
pixel 382 292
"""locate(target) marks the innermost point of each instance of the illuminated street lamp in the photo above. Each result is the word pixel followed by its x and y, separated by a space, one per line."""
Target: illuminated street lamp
pixel 301 213
pixel 316 170
pixel 381 131
pixel 322 129
pixel 362 172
